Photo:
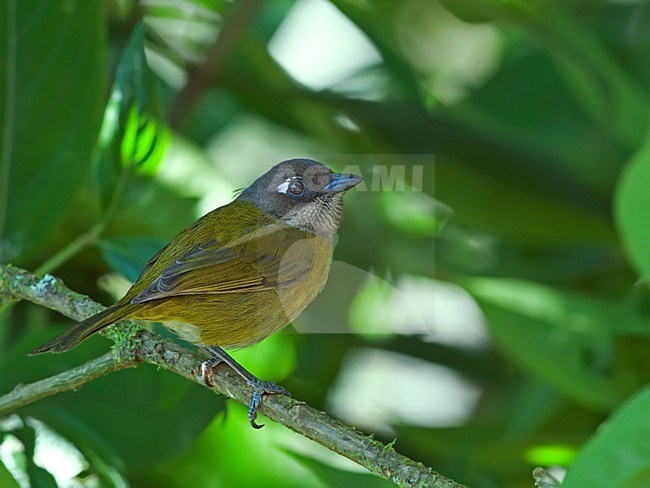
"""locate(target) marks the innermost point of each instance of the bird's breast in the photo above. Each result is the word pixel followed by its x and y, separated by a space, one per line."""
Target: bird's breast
pixel 295 295
pixel 234 320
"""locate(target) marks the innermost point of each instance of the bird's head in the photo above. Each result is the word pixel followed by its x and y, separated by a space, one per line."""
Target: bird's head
pixel 302 193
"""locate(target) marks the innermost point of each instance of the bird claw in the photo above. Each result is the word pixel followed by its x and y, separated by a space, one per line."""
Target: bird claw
pixel 206 370
pixel 260 389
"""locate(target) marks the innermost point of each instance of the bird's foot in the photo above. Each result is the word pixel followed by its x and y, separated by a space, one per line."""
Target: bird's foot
pixel 206 370
pixel 260 389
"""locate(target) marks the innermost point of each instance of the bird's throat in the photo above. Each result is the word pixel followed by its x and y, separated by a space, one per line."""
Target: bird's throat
pixel 321 216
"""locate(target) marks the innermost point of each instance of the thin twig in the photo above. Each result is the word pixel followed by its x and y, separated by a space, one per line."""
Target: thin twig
pixel 203 76
pixel 72 379
pixel 92 235
pixel 134 344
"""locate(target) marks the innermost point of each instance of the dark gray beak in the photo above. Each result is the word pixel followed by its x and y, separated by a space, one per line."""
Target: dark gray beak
pixel 340 182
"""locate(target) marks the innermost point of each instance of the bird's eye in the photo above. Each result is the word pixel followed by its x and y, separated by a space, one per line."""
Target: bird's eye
pixel 296 187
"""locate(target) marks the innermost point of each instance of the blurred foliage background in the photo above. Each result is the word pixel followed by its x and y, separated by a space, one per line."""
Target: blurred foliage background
pixel 488 307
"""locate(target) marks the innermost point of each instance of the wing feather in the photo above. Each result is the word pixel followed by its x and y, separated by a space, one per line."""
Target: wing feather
pixel 268 259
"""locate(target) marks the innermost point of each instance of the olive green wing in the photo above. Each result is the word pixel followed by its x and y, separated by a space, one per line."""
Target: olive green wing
pixel 269 258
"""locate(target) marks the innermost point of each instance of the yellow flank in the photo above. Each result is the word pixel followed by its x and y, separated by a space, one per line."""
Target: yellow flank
pixel 234 320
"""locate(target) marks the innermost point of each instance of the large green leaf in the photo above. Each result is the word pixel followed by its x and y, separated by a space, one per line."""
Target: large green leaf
pixel 632 207
pixel 592 74
pixel 6 479
pixel 230 453
pixel 51 99
pixel 132 135
pixel 333 476
pixel 563 337
pixel 619 453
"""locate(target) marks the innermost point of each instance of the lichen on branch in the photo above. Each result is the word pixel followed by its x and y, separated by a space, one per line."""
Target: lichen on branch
pixel 140 345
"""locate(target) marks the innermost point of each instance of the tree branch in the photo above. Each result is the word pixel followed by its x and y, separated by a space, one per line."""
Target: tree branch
pixel 203 76
pixel 134 344
pixel 68 380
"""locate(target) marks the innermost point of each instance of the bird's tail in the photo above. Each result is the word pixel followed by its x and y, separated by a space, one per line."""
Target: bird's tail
pixel 71 337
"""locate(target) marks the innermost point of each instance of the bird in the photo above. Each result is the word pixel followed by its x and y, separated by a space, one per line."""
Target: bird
pixel 239 273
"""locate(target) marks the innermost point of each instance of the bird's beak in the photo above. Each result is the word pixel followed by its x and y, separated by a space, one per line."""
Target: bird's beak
pixel 340 182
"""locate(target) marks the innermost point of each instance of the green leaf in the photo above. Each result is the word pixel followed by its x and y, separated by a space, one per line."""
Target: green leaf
pixel 6 480
pixel 619 453
pixel 128 255
pixel 493 204
pixel 632 207
pixel 230 453
pixel 491 10
pixel 595 78
pixel 143 136
pixel 593 74
pixel 332 476
pixel 181 31
pixel 133 134
pixel 565 338
pixel 144 143
pixel 51 98
pixel 513 107
pixel 372 18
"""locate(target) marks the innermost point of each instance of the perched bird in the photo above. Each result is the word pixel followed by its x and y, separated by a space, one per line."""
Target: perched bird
pixel 239 273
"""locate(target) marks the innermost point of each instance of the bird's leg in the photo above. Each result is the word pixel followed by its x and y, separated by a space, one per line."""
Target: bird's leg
pixel 260 388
